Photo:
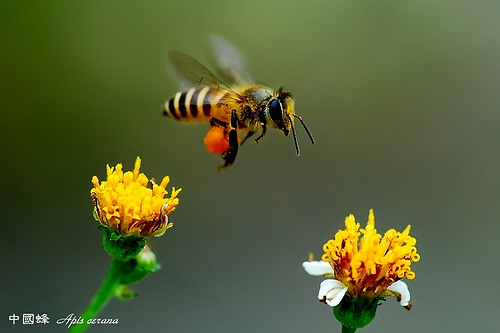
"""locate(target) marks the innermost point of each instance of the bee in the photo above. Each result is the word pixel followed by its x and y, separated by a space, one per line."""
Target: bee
pixel 242 107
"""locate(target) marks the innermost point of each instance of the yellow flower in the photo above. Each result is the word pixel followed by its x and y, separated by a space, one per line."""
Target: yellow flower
pixel 124 204
pixel 370 267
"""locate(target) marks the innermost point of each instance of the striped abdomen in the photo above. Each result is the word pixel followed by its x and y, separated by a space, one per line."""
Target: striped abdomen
pixel 194 104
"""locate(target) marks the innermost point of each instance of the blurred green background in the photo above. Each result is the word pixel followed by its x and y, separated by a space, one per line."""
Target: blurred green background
pixel 401 96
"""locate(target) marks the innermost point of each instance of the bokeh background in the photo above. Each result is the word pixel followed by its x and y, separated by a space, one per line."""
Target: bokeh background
pixel 401 96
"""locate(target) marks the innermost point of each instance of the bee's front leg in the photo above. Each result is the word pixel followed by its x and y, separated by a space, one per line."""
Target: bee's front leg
pixel 230 154
pixel 249 134
pixel 264 128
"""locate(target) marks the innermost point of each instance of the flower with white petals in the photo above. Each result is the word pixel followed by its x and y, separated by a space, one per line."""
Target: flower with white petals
pixel 363 267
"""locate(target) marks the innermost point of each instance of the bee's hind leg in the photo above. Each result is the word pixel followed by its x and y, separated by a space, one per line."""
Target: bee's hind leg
pixel 230 154
pixel 217 122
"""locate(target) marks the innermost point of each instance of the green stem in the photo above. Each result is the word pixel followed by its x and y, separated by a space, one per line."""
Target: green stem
pixel 105 293
pixel 346 329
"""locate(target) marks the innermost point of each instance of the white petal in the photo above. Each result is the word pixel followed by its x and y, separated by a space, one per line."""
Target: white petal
pixel 331 292
pixel 402 290
pixel 318 268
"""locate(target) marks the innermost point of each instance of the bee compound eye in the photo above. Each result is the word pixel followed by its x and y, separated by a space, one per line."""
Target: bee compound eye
pixel 276 110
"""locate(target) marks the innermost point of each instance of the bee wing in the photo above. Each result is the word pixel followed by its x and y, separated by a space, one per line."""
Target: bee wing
pixel 230 61
pixel 191 73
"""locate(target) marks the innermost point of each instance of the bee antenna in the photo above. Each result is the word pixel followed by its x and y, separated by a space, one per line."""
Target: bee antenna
pixel 305 127
pixel 297 149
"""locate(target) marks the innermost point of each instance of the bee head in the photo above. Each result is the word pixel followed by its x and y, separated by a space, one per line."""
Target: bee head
pixel 279 109
pixel 282 114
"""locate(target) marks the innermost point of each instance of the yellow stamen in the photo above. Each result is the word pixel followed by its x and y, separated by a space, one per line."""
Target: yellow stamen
pixel 127 206
pixel 368 265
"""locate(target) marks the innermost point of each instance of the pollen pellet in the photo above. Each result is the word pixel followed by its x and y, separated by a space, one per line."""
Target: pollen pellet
pixel 217 140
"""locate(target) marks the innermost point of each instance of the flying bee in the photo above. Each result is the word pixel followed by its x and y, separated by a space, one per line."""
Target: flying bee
pixel 243 107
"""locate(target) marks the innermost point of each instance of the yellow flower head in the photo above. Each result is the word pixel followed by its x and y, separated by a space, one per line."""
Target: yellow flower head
pixel 370 264
pixel 124 204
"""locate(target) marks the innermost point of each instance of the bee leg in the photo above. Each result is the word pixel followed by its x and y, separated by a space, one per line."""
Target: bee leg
pixel 217 122
pixel 249 134
pixel 230 154
pixel 264 128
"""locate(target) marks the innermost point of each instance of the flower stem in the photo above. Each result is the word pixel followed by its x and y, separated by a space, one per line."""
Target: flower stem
pixel 105 293
pixel 346 329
